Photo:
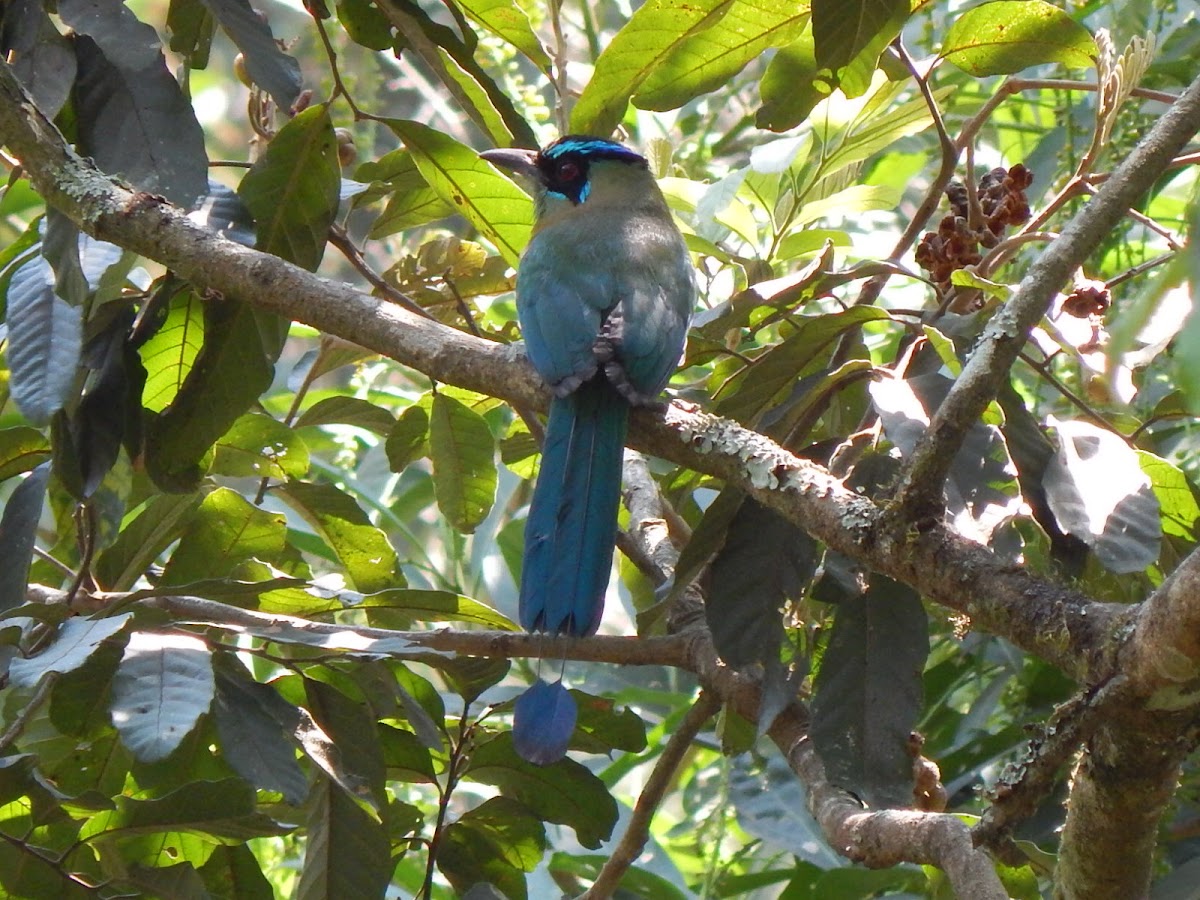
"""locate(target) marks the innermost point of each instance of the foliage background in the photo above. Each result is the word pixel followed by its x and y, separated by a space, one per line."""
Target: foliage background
pixel 183 465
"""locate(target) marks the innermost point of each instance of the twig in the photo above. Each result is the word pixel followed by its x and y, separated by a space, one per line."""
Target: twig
pixel 638 830
pixel 13 731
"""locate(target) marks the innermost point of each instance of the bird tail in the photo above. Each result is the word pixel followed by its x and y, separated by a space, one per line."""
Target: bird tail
pixel 572 524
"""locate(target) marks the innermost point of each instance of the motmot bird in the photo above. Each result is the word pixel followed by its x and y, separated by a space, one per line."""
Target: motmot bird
pixel 604 290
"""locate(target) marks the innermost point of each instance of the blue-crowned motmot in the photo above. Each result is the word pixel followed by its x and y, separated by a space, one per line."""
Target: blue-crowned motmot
pixel 604 291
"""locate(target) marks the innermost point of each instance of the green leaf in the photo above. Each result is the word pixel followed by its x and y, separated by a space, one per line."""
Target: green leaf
pixel 171 351
pixel 705 61
pixel 792 85
pixel 450 55
pixel 366 24
pixel 868 693
pixel 497 843
pixel 363 549
pixel 257 446
pixel 1006 36
pixel 1176 496
pixel 221 809
pixel 400 609
pixel 293 189
pixel 764 382
pixel 225 531
pixel 565 792
pixel 509 22
pixel 350 727
pixel 600 728
pixel 142 538
pixel 228 376
pixel 406 439
pixel 635 52
pixel 411 200
pixel 235 872
pixel 342 410
pixel 471 186
pixel 76 641
pixel 463 453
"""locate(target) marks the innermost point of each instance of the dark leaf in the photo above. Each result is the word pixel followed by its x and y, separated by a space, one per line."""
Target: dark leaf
pixel 771 805
pixel 223 211
pixel 765 563
pixel 366 24
pixel 868 693
pixel 268 66
pixel 842 30
pixel 76 641
pixel 256 727
pixel 42 59
pixel 452 60
pixel 470 676
pixel 223 809
pixel 98 427
pixel 292 190
pixel 191 27
pixel 792 85
pixel 352 730
pixel 978 491
pixel 45 335
pixel 1098 492
pixel 133 119
pixel 764 383
pixel 346 853
pixel 600 728
pixel 18 534
pixel 163 685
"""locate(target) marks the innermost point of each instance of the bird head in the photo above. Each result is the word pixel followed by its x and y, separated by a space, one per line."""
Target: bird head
pixel 578 171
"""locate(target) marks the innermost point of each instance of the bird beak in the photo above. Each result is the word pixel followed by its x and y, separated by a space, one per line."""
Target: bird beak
pixel 519 162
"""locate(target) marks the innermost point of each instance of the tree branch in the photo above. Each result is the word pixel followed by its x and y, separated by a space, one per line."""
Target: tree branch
pixel 919 497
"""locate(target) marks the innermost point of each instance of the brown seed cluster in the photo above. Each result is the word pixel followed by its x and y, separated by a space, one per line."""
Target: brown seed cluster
pixel 956 244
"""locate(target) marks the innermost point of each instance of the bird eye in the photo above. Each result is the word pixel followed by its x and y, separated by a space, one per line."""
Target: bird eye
pixel 567 171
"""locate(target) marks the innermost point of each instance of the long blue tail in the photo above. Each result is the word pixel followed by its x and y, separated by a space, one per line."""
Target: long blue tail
pixel 572 523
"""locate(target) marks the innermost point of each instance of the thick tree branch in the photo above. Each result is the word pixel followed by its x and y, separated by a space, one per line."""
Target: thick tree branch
pixel 919 497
